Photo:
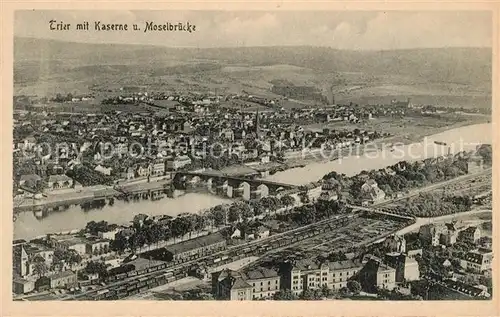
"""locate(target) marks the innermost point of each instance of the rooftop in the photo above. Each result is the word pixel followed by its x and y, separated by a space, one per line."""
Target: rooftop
pixel 260 273
pixel 195 243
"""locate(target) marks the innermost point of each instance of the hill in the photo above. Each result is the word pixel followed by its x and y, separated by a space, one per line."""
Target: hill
pixel 40 62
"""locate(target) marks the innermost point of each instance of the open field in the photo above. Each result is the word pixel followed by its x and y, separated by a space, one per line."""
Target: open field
pixel 429 76
pixel 407 129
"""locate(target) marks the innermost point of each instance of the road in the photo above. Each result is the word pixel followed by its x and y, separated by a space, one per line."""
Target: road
pixel 424 221
pixel 435 186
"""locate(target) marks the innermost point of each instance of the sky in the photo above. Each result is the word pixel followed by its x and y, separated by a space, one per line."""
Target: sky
pixel 354 30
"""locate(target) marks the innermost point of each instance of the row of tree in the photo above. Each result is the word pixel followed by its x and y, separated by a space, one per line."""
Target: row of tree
pixel 434 204
pixel 404 175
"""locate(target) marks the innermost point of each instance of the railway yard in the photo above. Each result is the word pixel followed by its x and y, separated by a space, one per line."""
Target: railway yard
pixel 361 226
pixel 340 232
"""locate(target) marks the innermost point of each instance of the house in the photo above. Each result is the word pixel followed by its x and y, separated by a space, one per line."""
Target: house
pixel 60 182
pixel 258 232
pixel 30 180
pixel 449 235
pixel 341 272
pixel 96 246
pixel 178 162
pixel 103 170
pixel 375 274
pixel 42 284
pixel 395 243
pixel 109 235
pixel 24 254
pixel 158 168
pixel 471 234
pixel 230 285
pixel 64 279
pixel 430 234
pixel 371 193
pixel 236 233
pixel 128 173
pixel 68 242
pixel 22 286
pixel 407 268
pixel 253 284
pixel 477 261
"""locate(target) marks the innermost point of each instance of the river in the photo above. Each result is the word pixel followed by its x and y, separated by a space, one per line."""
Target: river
pixel 459 139
pixel 29 226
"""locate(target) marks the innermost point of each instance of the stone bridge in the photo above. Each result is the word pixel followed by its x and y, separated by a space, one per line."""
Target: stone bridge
pixel 229 186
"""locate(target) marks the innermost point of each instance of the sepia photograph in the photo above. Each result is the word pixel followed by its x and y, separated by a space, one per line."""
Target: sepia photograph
pixel 204 155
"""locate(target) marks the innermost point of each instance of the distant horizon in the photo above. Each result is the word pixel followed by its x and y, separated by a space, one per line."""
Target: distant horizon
pixel 256 46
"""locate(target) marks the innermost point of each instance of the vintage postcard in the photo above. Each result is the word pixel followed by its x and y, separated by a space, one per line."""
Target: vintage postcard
pixel 311 160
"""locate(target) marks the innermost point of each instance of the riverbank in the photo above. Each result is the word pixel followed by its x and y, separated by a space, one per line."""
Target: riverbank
pixel 465 138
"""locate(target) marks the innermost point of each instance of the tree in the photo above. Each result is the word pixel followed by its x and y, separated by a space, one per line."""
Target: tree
pixel 288 200
pixel 218 215
pixel 354 286
pixel 285 294
pixel 234 213
pixel 485 151
pixel 120 243
pixel 97 268
pixel 40 267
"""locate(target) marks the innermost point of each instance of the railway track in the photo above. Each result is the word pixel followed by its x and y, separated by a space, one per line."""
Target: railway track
pixel 131 285
pixel 258 247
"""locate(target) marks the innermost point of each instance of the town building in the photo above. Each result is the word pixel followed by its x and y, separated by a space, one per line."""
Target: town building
pixel 61 182
pixel 30 180
pixel 305 274
pixel 477 261
pixel 96 246
pixel 430 234
pixel 109 235
pixel 371 193
pixel 395 243
pixel 68 242
pixel 178 162
pixel 406 267
pixel 253 284
pixel 63 279
pixel 471 234
pixel 375 274
pixel 341 272
pixel 22 286
pixel 230 285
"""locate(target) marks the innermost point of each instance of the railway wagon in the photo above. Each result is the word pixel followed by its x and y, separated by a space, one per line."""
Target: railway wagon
pixel 133 292
pixel 112 278
pixel 150 281
pixel 131 288
pixel 171 279
pixel 225 257
pixel 121 293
